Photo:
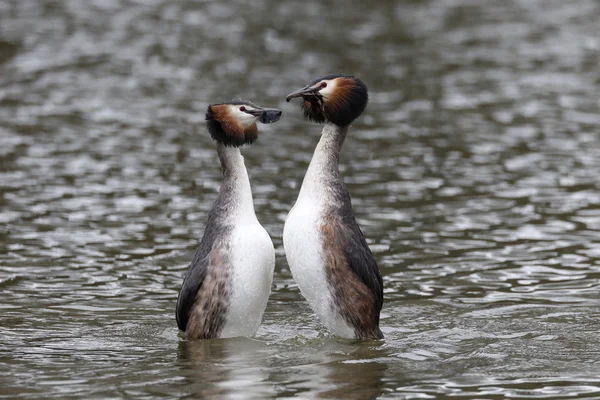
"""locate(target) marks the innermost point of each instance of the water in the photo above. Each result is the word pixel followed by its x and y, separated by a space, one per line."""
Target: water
pixel 474 175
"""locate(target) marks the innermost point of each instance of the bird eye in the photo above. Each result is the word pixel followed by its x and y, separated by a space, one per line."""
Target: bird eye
pixel 323 84
pixel 242 108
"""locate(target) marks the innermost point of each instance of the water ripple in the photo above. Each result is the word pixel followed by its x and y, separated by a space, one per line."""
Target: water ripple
pixel 473 174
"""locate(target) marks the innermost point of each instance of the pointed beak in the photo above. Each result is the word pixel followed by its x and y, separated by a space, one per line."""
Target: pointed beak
pixel 305 91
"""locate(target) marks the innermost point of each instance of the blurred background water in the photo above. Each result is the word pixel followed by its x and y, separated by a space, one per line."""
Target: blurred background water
pixel 474 175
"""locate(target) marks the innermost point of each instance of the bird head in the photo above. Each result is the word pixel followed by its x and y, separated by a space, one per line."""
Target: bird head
pixel 234 123
pixel 338 99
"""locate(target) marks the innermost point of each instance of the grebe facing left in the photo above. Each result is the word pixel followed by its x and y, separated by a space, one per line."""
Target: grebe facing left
pixel 226 289
pixel 327 253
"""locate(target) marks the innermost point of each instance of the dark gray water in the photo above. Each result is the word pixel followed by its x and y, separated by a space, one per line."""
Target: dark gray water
pixel 474 174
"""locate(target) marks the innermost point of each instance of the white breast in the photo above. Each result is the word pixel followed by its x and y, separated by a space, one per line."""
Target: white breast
pixel 253 261
pixel 305 256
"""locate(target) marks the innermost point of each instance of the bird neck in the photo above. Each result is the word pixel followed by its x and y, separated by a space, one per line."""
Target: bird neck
pixel 323 171
pixel 235 197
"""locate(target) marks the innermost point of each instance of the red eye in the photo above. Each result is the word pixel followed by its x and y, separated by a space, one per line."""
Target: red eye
pixel 323 84
pixel 242 108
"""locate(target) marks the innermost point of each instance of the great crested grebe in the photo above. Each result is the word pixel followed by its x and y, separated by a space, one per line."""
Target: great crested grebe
pixel 226 289
pixel 325 248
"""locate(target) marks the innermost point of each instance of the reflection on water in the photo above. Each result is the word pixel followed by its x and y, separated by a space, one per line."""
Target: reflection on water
pixel 222 368
pixel 361 376
pixel 474 175
pixel 230 367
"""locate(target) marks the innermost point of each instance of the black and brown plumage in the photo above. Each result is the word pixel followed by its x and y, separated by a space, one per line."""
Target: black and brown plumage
pixel 225 291
pixel 327 252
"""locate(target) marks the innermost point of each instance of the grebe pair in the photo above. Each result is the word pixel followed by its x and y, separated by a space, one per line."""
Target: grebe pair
pixel 226 289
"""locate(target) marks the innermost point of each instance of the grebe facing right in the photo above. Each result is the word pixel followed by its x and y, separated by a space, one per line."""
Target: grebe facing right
pixel 327 253
pixel 225 291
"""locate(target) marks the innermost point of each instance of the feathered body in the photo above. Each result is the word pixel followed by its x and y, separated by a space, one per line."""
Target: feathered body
pixel 226 289
pixel 325 248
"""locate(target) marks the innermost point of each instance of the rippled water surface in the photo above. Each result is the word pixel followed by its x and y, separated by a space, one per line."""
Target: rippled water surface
pixel 474 174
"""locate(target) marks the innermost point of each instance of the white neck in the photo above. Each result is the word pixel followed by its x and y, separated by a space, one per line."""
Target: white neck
pixel 323 167
pixel 235 189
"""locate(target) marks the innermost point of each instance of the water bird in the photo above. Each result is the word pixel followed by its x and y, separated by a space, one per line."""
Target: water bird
pixel 326 251
pixel 225 291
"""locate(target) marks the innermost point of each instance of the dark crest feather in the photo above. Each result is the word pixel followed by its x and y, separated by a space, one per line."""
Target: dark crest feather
pixel 341 110
pixel 350 106
pixel 219 134
pixel 313 110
